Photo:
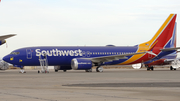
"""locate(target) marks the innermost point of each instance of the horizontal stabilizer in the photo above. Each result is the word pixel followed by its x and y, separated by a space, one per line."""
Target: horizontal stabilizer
pixel 170 49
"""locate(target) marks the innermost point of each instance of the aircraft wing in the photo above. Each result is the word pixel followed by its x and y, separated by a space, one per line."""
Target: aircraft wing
pixel 170 49
pixel 114 57
pixel 6 36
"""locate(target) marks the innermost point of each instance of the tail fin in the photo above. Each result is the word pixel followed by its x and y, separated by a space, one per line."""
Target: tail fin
pixel 159 41
pixel 163 37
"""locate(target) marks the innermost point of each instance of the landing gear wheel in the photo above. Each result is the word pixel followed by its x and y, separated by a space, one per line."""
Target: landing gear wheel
pixel 56 70
pixel 99 69
pixel 171 68
pixel 152 68
pixel 88 70
pixel 148 68
pixel 64 70
pixel 38 71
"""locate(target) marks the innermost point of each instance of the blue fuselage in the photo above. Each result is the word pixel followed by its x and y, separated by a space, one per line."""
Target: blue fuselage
pixel 63 55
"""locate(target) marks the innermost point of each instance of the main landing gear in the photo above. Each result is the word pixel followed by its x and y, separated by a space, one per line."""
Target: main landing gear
pixel 98 69
pixel 150 68
pixel 171 68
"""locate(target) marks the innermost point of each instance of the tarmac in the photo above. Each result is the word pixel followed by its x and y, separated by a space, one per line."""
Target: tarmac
pixel 78 85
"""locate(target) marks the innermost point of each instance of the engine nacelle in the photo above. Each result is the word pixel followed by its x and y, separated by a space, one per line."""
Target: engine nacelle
pixel 137 66
pixel 2 42
pixel 4 65
pixel 81 64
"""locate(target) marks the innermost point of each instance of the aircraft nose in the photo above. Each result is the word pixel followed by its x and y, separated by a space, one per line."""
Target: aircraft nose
pixel 6 58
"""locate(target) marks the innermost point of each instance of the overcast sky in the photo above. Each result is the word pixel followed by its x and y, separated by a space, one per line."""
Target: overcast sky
pixel 83 22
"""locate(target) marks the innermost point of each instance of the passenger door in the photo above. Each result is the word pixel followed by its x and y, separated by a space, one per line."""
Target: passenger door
pixel 29 53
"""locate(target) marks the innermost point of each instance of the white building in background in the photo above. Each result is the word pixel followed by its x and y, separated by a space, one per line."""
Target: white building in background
pixel 36 67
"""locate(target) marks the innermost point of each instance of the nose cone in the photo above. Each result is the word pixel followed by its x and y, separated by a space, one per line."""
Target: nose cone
pixel 6 58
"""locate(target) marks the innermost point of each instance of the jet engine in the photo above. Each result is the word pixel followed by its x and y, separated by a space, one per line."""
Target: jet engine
pixel 4 65
pixel 137 66
pixel 81 64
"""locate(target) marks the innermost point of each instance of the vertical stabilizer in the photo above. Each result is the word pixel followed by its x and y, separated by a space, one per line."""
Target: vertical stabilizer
pixel 165 37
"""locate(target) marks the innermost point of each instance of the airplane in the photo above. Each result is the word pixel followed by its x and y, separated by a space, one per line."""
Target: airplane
pixel 166 60
pixel 4 65
pixel 170 59
pixel 84 58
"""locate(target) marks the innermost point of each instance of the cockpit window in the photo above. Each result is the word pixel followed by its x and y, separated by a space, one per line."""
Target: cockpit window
pixel 15 53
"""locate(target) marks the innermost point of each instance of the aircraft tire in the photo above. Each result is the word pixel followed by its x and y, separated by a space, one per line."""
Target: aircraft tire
pixel 148 68
pixel 56 70
pixel 64 70
pixel 171 68
pixel 174 68
pixel 152 68
pixel 97 69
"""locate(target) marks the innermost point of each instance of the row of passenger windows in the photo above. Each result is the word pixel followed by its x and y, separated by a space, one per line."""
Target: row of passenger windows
pixel 108 53
pixel 93 53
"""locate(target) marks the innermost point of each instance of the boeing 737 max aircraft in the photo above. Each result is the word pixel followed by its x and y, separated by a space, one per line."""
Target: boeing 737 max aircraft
pixel 83 58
